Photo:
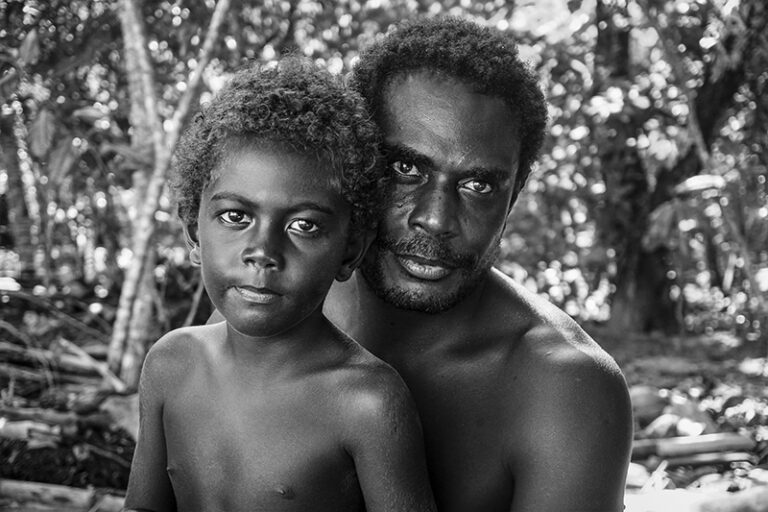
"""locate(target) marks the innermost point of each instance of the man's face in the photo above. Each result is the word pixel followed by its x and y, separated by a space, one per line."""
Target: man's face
pixel 453 157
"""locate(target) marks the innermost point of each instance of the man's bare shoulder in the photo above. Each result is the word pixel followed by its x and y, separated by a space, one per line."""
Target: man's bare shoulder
pixel 543 334
pixel 568 407
pixel 554 363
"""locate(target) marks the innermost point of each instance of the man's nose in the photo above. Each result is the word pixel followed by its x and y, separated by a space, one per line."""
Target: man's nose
pixel 264 248
pixel 435 211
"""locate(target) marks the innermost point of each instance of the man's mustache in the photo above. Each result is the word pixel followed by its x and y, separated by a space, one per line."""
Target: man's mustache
pixel 428 248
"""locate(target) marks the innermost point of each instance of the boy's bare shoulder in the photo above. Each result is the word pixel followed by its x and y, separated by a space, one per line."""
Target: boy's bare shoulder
pixel 176 352
pixel 366 387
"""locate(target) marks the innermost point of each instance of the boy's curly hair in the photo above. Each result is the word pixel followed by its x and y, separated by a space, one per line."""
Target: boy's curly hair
pixel 294 104
pixel 487 60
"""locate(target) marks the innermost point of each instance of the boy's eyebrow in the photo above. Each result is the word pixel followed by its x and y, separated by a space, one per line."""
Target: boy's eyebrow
pixel 306 205
pixel 400 151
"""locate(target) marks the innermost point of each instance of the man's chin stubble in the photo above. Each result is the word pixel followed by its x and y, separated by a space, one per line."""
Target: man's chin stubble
pixel 418 300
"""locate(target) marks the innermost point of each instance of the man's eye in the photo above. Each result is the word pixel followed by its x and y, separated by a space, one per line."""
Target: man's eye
pixel 405 168
pixel 234 217
pixel 477 186
pixel 303 226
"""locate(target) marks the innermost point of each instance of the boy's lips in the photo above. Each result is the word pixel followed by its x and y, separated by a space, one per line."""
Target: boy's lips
pixel 422 268
pixel 257 295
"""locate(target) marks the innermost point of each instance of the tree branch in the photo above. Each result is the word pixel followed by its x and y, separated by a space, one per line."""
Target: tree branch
pixel 163 146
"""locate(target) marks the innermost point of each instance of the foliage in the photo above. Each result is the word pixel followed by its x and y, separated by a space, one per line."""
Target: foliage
pixel 72 178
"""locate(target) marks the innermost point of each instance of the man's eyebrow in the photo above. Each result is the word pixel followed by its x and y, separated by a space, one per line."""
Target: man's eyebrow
pixel 306 205
pixel 402 152
pixel 496 174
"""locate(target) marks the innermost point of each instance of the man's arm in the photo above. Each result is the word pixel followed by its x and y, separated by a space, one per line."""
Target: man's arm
pixel 385 440
pixel 575 437
pixel 149 487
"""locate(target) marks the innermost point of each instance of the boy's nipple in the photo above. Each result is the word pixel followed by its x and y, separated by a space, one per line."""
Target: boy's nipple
pixel 285 492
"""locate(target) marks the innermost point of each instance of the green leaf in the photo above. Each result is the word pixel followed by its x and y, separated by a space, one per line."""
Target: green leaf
pixel 29 52
pixel 61 161
pixel 661 223
pixel 41 133
pixel 89 114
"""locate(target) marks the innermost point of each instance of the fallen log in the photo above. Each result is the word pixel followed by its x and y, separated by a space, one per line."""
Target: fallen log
pixel 754 499
pixel 85 359
pixel 45 375
pixel 52 417
pixel 26 429
pixel 60 496
pixel 714 458
pixel 691 445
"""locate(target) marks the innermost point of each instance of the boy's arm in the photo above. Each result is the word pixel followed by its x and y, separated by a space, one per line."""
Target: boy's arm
pixel 385 440
pixel 149 487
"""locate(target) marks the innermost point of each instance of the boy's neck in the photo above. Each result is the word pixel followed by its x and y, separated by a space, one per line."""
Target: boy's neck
pixel 298 349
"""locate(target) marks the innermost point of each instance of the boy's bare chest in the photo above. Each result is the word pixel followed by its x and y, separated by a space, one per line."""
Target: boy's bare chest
pixel 259 451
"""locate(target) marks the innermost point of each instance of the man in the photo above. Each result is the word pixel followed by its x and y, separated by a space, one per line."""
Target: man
pixel 521 410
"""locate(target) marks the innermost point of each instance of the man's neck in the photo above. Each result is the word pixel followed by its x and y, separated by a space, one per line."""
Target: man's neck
pixel 380 326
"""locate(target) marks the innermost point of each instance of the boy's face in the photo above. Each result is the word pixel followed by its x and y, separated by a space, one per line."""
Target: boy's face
pixel 453 157
pixel 273 235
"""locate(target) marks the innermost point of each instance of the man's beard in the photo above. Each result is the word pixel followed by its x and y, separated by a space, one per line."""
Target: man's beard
pixel 472 271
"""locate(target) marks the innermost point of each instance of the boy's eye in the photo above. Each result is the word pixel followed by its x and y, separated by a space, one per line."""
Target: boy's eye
pixel 477 186
pixel 303 226
pixel 405 168
pixel 234 217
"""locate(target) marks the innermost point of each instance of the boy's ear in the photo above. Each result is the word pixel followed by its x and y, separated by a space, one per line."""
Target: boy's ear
pixel 190 236
pixel 356 247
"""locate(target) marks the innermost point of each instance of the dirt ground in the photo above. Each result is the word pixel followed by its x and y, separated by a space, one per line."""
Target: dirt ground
pixel 681 386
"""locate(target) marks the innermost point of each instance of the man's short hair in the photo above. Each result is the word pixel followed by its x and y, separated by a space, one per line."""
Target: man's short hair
pixel 487 60
pixel 294 105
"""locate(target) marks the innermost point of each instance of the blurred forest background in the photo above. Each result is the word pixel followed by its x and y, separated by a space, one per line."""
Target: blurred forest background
pixel 648 212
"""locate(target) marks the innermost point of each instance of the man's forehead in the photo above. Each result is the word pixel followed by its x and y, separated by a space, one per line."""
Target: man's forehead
pixel 446 120
pixel 438 94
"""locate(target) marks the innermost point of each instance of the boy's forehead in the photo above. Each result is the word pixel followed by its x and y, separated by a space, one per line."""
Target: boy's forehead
pixel 235 147
pixel 251 167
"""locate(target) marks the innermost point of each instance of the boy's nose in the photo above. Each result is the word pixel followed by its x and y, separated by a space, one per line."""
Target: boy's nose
pixel 263 251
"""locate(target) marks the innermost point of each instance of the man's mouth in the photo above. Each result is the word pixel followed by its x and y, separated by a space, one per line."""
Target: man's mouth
pixel 428 270
pixel 257 295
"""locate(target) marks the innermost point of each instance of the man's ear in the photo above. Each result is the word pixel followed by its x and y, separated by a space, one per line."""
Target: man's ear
pixel 190 236
pixel 357 245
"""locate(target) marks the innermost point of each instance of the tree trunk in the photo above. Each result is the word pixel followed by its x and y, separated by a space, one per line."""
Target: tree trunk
pixel 641 300
pixel 132 317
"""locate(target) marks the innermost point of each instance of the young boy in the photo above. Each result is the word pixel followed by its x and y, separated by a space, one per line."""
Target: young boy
pixel 275 409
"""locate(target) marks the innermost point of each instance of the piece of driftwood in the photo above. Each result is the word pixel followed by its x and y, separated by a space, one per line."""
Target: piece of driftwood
pixel 706 459
pixel 70 359
pixel 52 417
pixel 98 366
pixel 59 496
pixel 691 445
pixel 45 376
pixel 754 499
pixel 26 429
